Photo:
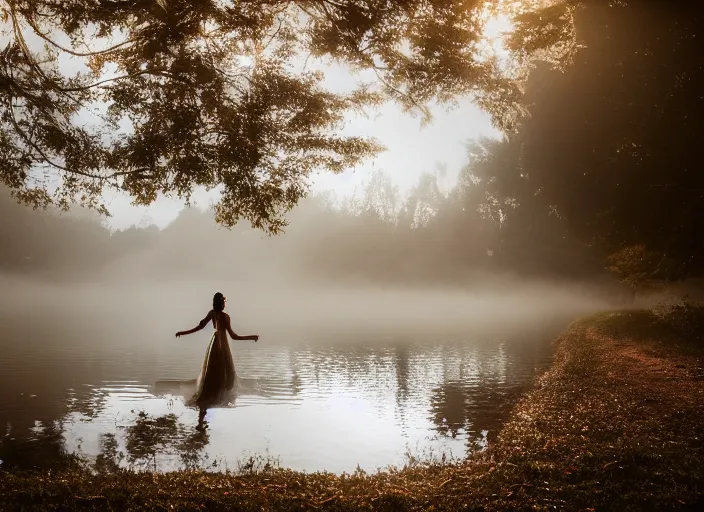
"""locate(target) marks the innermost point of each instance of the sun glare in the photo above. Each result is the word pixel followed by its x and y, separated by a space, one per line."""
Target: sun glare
pixel 496 30
pixel 498 26
pixel 498 21
pixel 245 61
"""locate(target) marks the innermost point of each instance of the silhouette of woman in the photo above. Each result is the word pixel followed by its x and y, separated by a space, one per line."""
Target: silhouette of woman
pixel 217 376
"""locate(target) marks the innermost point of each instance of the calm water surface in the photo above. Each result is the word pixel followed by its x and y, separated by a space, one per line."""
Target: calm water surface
pixel 332 401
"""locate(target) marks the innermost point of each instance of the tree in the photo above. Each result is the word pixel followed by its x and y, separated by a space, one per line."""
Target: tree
pixel 424 199
pixel 612 145
pixel 639 268
pixel 380 198
pixel 210 92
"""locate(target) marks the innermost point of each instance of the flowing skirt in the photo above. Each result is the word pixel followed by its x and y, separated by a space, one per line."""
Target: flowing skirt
pixel 217 377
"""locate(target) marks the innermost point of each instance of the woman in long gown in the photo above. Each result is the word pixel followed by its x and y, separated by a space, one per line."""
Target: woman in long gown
pixel 217 376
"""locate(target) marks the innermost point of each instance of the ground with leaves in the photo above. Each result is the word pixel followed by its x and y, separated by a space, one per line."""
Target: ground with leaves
pixel 616 424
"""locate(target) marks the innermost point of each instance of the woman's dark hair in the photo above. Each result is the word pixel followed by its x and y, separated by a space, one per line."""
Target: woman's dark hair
pixel 218 302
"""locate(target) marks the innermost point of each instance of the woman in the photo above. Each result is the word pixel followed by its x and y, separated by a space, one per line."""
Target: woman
pixel 217 377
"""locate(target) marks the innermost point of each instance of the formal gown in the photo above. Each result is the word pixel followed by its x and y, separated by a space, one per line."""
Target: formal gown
pixel 217 378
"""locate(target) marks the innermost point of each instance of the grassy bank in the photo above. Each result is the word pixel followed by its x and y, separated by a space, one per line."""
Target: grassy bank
pixel 616 424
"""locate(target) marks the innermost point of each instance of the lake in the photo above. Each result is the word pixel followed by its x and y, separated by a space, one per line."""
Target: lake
pixel 97 372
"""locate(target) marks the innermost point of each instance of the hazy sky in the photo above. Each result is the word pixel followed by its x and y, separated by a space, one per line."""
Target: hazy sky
pixel 411 149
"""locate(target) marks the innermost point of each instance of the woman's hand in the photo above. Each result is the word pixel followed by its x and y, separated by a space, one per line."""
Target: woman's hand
pixel 179 334
pixel 256 338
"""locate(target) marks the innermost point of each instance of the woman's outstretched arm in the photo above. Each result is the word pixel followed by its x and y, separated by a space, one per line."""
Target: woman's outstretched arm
pixel 235 336
pixel 201 324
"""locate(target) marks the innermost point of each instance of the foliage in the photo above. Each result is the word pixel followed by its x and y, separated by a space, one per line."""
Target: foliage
pixel 607 159
pixel 637 267
pixel 170 95
pixel 684 316
pixel 429 237
pixel 599 176
pixel 380 198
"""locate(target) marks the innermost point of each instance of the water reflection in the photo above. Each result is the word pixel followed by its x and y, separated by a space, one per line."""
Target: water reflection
pixel 313 404
pixel 43 447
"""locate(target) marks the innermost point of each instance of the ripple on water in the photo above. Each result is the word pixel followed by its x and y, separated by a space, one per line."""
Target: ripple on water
pixel 314 406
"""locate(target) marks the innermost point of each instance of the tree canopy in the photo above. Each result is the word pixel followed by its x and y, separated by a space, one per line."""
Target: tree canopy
pixel 603 173
pixel 162 96
pixel 609 158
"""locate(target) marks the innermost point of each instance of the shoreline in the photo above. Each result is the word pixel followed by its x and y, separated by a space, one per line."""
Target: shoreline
pixel 616 423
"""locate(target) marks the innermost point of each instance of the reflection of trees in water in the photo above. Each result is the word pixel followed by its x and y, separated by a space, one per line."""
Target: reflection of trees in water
pixel 404 389
pixel 464 389
pixel 461 388
pixel 145 442
pixel 448 409
pixel 403 369
pixel 357 367
pixel 478 390
pixel 110 457
pixel 148 437
pixel 475 411
pixel 50 403
pixel 151 437
pixel 43 449
pixel 34 385
pixel 88 401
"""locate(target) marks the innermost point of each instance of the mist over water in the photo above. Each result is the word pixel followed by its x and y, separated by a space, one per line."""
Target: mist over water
pixel 270 309
pixel 341 376
pixel 374 342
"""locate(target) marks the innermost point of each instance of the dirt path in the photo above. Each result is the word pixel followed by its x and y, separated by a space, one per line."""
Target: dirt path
pixel 616 424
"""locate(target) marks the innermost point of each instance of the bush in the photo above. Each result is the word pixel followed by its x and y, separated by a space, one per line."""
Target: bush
pixel 684 316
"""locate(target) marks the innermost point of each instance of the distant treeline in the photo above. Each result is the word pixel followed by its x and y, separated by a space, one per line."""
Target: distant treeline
pixel 604 175
pixel 428 238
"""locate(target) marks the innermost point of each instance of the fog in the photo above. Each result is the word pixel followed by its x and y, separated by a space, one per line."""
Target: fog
pixel 284 311
pixel 89 318
pixel 350 308
pixel 334 271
